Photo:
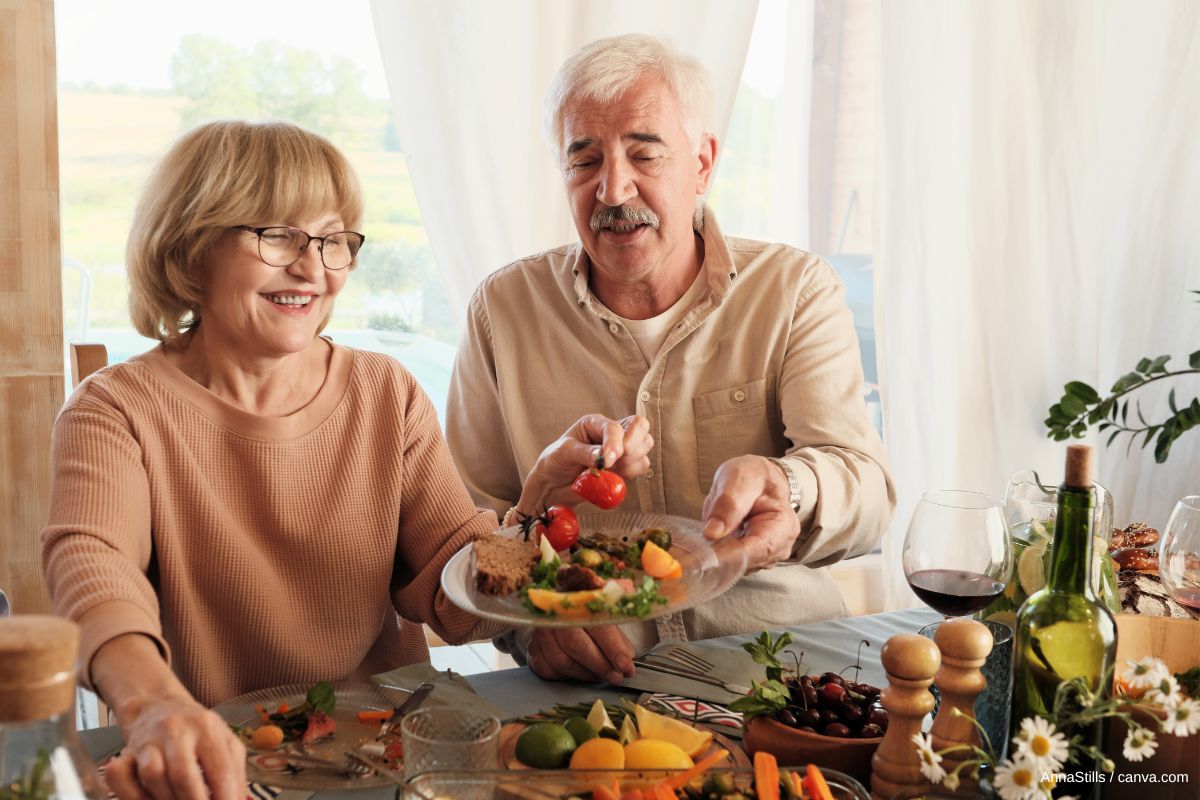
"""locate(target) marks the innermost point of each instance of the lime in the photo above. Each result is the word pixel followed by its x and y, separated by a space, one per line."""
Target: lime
pixel 1030 570
pixel 629 732
pixel 1070 648
pixel 580 729
pixel 599 717
pixel 546 745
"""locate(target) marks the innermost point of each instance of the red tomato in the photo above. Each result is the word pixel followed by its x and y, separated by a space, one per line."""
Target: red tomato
pixel 560 525
pixel 600 487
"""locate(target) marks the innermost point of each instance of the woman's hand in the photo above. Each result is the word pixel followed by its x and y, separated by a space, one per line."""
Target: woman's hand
pixel 625 445
pixel 174 747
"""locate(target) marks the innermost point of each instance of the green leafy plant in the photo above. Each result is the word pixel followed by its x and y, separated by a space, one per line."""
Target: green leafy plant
pixel 772 695
pixel 1082 406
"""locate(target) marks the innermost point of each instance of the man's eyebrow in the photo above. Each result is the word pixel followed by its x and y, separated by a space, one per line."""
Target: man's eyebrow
pixel 649 138
pixel 579 144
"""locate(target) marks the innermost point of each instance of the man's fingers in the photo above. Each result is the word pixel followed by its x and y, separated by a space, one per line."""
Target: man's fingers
pixel 152 773
pixel 615 646
pixel 121 777
pixel 550 661
pixel 727 505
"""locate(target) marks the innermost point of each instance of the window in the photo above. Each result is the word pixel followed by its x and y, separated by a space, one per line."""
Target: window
pixel 126 92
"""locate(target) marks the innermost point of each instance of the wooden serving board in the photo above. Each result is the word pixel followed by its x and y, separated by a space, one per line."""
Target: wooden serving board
pixel 512 731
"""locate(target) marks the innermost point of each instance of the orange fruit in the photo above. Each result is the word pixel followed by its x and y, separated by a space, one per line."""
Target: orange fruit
pixel 266 737
pixel 598 753
pixel 655 754
pixel 658 563
pixel 564 604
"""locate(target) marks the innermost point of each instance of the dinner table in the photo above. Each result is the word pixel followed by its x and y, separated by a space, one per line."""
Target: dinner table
pixel 828 645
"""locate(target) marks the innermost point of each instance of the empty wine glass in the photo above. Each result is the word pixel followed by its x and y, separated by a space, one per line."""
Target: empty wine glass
pixel 1179 555
pixel 957 556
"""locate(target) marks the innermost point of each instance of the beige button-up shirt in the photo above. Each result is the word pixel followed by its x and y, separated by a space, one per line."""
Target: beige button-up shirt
pixel 767 363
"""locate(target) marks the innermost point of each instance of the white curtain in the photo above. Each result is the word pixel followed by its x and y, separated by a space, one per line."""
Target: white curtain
pixel 1039 182
pixel 467 79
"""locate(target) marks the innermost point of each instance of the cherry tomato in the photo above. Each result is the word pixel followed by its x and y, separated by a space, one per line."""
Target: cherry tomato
pixel 600 487
pixel 560 525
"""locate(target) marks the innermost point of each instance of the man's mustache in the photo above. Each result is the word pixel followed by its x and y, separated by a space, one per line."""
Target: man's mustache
pixel 605 217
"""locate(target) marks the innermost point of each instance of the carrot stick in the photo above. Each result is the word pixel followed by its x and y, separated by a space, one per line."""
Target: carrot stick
pixel 600 792
pixel 797 784
pixel 815 781
pixel 663 792
pixel 701 766
pixel 374 716
pixel 766 776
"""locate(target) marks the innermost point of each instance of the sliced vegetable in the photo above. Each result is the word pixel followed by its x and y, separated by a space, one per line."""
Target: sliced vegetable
pixel 815 783
pixel 380 716
pixel 702 766
pixel 766 776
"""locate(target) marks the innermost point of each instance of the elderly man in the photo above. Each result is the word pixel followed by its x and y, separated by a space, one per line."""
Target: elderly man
pixel 720 376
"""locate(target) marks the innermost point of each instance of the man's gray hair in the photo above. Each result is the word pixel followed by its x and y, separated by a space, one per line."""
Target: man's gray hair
pixel 605 69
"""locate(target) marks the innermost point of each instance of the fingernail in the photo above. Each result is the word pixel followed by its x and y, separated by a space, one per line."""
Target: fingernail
pixel 625 665
pixel 714 529
pixel 615 677
pixel 609 458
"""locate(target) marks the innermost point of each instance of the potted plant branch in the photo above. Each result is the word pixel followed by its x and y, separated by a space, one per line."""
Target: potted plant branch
pixel 1082 406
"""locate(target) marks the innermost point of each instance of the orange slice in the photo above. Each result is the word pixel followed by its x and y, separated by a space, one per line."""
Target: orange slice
pixel 658 563
pixel 564 604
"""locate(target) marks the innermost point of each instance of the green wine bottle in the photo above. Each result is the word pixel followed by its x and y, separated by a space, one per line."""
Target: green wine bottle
pixel 1064 631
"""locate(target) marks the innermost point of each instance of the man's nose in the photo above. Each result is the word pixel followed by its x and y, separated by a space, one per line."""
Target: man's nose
pixel 617 183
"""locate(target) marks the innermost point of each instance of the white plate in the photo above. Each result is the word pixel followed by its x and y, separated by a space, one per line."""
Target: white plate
pixel 266 766
pixel 709 568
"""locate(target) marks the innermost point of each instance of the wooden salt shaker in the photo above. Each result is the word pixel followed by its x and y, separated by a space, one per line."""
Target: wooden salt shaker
pixel 965 645
pixel 910 661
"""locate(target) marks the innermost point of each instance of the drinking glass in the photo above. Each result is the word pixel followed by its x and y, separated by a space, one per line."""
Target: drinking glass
pixel 1179 555
pixel 957 556
pixel 449 737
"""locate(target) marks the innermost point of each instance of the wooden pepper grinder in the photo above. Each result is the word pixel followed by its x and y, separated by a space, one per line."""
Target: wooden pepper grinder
pixel 965 645
pixel 910 661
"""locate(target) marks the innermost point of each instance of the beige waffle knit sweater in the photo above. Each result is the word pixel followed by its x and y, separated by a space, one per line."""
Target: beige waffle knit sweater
pixel 257 551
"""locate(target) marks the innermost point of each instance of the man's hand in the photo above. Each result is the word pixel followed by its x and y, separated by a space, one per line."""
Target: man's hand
pixel 750 492
pixel 589 655
pixel 625 445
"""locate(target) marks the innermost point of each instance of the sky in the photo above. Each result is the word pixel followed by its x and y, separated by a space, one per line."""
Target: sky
pixel 130 42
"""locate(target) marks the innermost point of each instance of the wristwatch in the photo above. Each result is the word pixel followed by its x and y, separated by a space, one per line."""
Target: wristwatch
pixel 793 482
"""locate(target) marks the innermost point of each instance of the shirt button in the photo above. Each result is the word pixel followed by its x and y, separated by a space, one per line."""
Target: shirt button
pixel 739 395
pixel 650 472
pixel 612 327
pixel 645 397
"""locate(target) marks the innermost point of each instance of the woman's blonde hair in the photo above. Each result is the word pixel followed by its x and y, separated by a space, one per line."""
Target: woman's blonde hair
pixel 216 176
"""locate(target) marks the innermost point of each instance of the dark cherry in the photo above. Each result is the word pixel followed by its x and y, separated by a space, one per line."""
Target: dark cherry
pixel 811 718
pixel 808 728
pixel 870 731
pixel 832 694
pixel 833 677
pixel 806 680
pixel 810 695
pixel 787 718
pixel 837 729
pixel 828 716
pixel 851 713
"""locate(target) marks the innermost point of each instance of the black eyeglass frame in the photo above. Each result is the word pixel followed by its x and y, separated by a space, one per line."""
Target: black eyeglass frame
pixel 258 232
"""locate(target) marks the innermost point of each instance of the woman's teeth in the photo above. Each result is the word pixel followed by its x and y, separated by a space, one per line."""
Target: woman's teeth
pixel 290 299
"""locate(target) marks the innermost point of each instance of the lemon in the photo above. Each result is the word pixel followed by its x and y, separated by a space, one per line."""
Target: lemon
pixel 628 732
pixel 1030 570
pixel 1072 649
pixel 655 754
pixel 656 726
pixel 580 729
pixel 546 745
pixel 599 717
pixel 599 754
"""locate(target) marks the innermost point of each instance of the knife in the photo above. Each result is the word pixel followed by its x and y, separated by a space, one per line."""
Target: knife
pixel 410 704
pixel 378 767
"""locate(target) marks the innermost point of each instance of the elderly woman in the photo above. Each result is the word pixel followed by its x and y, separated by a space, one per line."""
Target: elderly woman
pixel 248 504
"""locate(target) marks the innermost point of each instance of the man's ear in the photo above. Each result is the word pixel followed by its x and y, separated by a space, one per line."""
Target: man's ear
pixel 706 158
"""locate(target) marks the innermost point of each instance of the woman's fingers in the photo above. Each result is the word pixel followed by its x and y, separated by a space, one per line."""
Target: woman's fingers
pixel 121 777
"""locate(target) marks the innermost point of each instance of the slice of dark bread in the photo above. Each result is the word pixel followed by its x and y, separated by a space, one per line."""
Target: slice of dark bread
pixel 503 565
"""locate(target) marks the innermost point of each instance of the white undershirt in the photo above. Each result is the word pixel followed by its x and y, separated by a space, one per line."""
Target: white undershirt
pixel 649 334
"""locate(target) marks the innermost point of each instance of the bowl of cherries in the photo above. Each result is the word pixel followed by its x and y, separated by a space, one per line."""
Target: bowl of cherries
pixel 823 719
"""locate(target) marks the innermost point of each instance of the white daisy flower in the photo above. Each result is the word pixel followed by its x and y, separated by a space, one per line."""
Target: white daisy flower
pixel 1038 741
pixel 1145 673
pixel 931 761
pixel 1165 692
pixel 1183 717
pixel 1016 779
pixel 1139 745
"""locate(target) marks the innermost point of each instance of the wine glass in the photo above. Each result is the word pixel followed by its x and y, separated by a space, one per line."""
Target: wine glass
pixel 1179 555
pixel 957 556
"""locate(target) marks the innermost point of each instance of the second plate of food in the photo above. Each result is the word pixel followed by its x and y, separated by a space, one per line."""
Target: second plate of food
pixel 608 584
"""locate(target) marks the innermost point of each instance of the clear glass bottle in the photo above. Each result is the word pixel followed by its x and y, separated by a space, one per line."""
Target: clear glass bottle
pixel 41 757
pixel 1064 631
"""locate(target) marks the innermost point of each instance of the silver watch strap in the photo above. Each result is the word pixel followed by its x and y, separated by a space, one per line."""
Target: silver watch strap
pixel 792 479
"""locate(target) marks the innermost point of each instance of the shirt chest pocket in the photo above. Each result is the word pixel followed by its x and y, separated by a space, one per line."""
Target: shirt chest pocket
pixel 733 421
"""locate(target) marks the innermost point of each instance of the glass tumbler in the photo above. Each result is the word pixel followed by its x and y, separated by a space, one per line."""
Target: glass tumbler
pixel 449 737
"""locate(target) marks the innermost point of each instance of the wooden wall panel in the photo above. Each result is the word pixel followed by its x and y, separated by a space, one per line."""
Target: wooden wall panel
pixel 31 340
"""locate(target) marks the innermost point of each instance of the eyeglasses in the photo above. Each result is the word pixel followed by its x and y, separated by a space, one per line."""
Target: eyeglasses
pixel 282 246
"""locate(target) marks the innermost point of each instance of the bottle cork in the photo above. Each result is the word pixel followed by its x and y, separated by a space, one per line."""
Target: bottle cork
pixel 910 661
pixel 1079 466
pixel 965 645
pixel 37 667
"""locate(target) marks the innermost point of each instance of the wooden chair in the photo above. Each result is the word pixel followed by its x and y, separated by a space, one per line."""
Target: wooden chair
pixel 86 359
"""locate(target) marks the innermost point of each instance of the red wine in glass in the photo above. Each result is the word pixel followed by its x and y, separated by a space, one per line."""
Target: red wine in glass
pixel 955 592
pixel 1189 599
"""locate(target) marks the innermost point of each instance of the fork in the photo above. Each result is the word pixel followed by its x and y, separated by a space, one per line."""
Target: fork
pixel 684 659
pixel 676 668
pixel 351 768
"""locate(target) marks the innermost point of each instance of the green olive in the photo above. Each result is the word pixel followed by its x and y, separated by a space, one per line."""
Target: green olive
pixel 587 557
pixel 660 536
